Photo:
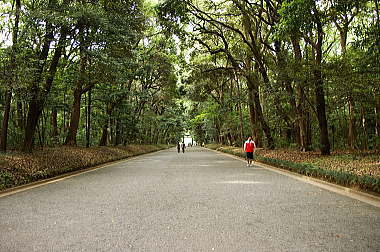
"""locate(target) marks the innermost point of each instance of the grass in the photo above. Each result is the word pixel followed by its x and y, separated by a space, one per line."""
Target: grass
pixel 19 168
pixel 351 169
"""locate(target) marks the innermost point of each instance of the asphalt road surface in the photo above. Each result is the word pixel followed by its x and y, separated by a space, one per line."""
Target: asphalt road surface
pixel 196 201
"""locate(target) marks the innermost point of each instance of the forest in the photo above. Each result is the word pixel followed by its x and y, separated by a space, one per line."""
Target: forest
pixel 301 74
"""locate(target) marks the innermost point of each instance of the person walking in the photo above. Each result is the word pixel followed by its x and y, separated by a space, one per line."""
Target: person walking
pixel 183 147
pixel 249 148
pixel 178 147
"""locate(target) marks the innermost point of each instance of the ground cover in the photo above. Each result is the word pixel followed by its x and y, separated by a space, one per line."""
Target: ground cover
pixel 18 168
pixel 348 168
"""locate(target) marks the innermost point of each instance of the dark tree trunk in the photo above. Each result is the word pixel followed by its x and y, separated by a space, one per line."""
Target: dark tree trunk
pixel 259 112
pixel 240 111
pixel 34 113
pixel 71 139
pixel 252 117
pixel 104 137
pixel 301 98
pixel 285 80
pixel 4 128
pixel 39 96
pixel 320 96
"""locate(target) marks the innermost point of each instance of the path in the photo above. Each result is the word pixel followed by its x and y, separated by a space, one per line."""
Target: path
pixel 197 201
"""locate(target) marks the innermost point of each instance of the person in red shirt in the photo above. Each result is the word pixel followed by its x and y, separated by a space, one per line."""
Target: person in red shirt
pixel 249 148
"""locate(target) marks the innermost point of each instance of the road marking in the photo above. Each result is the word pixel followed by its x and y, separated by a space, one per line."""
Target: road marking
pixel 351 193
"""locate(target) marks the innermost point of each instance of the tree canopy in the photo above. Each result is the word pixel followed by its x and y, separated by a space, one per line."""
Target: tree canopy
pixel 291 73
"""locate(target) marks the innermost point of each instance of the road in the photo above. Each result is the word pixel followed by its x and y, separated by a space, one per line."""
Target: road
pixel 196 201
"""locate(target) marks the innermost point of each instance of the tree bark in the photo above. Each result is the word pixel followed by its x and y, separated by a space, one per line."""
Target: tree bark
pixel 4 128
pixel 251 82
pixel 252 118
pixel 240 111
pixel 285 80
pixel 34 113
pixel 39 95
pixel 320 94
pixel 71 139
pixel 104 138
pixel 301 98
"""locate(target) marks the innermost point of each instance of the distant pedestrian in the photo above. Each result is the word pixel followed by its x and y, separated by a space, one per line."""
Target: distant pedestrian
pixel 178 147
pixel 183 147
pixel 249 148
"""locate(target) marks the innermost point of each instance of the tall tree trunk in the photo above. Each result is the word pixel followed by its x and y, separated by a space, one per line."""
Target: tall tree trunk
pixel 104 137
pixel 8 94
pixel 301 98
pixel 241 125
pixel 252 80
pixel 4 128
pixel 39 96
pixel 34 113
pixel 71 139
pixel 351 136
pixel 255 132
pixel 320 94
pixel 285 80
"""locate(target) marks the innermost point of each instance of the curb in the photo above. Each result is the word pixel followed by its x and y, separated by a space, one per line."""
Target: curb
pixel 368 198
pixel 29 186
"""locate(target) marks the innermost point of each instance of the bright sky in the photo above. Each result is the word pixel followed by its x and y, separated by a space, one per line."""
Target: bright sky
pixel 155 1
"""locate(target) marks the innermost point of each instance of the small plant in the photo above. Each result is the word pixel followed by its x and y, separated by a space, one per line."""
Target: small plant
pixel 6 179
